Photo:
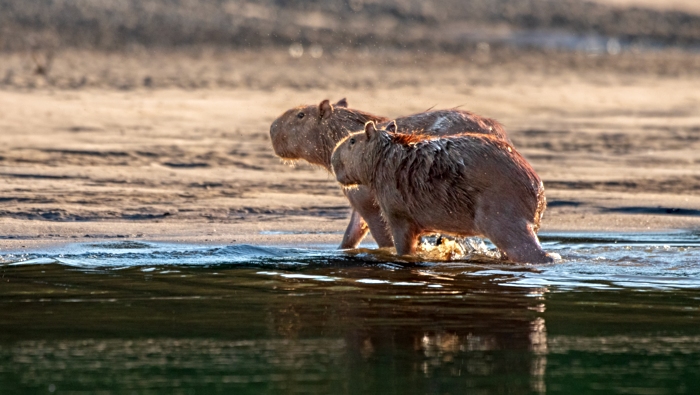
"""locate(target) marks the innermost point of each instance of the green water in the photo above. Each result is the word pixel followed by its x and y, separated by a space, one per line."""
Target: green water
pixel 617 315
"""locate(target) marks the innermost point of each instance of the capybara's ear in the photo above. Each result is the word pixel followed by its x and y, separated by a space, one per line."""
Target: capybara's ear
pixel 342 103
pixel 392 128
pixel 370 129
pixel 325 109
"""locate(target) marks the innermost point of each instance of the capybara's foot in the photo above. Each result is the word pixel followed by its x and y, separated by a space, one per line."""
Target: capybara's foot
pixel 520 244
pixel 528 254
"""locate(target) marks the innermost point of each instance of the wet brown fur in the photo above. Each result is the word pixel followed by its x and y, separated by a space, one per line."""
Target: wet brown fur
pixel 313 138
pixel 466 184
pixel 408 139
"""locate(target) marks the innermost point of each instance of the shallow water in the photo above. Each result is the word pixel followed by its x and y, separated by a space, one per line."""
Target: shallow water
pixel 617 314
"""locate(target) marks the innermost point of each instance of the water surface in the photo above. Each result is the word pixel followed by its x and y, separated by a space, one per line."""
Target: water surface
pixel 617 314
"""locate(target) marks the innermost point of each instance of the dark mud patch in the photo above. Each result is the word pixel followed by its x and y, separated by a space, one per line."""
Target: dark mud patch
pixel 247 166
pixel 145 217
pixel 30 200
pixel 62 215
pixel 270 214
pixel 653 210
pixel 563 203
pixel 84 129
pixel 187 165
pixel 670 185
pixel 87 152
pixel 42 176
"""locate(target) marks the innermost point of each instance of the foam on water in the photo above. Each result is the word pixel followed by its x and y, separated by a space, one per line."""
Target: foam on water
pixel 598 261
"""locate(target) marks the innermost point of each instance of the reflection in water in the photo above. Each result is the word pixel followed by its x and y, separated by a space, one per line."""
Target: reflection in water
pixel 150 318
pixel 272 364
pixel 290 365
pixel 538 341
pixel 657 345
pixel 235 329
pixel 433 339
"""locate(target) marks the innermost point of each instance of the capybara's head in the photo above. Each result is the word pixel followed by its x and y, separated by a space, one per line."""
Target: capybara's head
pixel 311 132
pixel 298 133
pixel 353 157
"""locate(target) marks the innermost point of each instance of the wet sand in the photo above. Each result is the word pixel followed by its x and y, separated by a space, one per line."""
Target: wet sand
pixel 618 150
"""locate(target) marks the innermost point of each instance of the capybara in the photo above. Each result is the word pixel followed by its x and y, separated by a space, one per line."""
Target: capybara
pixel 465 185
pixel 311 133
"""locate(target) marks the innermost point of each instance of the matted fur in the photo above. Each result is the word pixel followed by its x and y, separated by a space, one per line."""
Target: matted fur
pixel 467 184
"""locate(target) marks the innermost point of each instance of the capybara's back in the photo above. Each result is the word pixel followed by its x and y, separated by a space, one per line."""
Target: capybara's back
pixel 467 185
pixel 436 178
pixel 449 122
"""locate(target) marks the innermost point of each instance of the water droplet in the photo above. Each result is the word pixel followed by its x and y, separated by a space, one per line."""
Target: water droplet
pixel 613 46
pixel 316 51
pixel 296 50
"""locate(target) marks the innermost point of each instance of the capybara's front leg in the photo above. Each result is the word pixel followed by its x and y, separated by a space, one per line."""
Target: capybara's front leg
pixel 363 201
pixel 406 236
pixel 355 232
pixel 379 229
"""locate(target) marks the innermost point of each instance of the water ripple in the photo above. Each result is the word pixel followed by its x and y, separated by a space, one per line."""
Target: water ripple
pixel 597 261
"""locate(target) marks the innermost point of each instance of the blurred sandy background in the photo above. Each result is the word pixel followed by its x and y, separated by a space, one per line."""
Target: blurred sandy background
pixel 149 119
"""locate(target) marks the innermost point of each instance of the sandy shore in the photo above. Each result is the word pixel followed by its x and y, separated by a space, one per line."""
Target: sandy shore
pixel 690 6
pixel 617 151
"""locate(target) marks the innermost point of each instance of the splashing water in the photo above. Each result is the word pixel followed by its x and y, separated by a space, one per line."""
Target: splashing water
pixel 445 248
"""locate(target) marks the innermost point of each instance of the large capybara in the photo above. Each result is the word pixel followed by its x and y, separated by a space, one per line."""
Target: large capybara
pixel 465 185
pixel 312 132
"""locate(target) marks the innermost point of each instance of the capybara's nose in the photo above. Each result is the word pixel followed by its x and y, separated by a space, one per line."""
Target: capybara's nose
pixel 273 130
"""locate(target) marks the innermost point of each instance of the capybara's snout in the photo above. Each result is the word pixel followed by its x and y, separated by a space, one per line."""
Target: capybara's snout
pixel 337 166
pixel 277 136
pixel 274 131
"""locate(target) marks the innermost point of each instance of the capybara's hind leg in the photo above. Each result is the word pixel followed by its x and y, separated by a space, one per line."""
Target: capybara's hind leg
pixel 520 243
pixel 364 203
pixel 355 232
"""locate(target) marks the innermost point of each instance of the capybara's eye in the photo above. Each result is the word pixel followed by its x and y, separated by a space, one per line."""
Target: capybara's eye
pixel 352 141
pixel 300 115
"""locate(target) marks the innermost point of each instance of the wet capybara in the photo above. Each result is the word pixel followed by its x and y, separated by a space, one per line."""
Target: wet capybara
pixel 311 133
pixel 466 185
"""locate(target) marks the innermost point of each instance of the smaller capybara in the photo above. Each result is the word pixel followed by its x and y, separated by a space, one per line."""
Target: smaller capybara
pixel 464 185
pixel 311 132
